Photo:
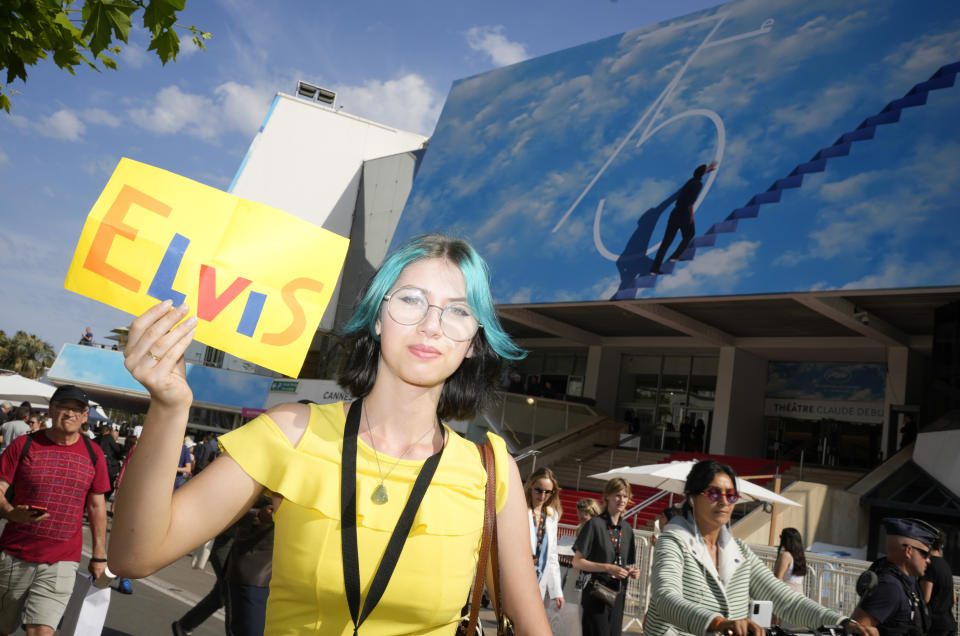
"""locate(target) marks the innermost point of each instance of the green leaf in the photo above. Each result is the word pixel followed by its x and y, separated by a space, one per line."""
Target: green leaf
pixel 160 15
pixel 106 19
pixel 166 44
pixel 5 103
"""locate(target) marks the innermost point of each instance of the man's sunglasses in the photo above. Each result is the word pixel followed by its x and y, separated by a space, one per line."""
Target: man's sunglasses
pixel 541 491
pixel 924 553
pixel 713 494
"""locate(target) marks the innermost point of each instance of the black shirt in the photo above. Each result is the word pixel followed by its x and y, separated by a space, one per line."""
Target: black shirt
pixel 595 545
pixel 688 194
pixel 888 602
pixel 941 600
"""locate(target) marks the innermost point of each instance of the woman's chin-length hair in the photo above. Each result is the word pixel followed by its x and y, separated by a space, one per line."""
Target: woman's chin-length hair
pixel 472 384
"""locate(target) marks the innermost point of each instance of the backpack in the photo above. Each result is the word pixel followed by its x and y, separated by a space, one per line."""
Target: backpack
pixel 202 456
pixel 26 447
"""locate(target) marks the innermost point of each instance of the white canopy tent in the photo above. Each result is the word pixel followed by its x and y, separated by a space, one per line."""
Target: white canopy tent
pixel 16 388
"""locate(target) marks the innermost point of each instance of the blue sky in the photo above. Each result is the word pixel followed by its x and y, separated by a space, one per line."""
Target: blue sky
pixel 390 62
pixel 517 147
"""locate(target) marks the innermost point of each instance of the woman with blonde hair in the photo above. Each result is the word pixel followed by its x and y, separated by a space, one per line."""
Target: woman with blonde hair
pixel 605 548
pixel 544 510
pixel 587 509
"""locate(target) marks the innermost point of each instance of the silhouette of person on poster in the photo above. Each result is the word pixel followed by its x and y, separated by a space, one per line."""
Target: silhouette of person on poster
pixel 681 218
pixel 633 262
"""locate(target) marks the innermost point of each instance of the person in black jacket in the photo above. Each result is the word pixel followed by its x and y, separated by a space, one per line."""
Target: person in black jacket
pixel 895 607
pixel 605 548
pixel 112 452
pixel 681 218
pixel 936 587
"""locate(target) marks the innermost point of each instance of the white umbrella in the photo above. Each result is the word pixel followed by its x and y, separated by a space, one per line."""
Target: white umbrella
pixel 17 388
pixel 672 477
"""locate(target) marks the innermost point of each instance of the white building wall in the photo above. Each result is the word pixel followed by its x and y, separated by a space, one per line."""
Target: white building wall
pixel 936 453
pixel 306 160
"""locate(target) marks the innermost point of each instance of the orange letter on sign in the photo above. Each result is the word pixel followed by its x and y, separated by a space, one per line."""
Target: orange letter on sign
pixel 112 225
pixel 209 305
pixel 296 327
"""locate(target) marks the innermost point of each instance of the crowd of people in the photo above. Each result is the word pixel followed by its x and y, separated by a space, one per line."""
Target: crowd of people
pixel 54 467
pixel 370 515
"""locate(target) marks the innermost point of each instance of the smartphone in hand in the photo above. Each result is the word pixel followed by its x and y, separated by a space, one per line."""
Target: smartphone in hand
pixel 36 511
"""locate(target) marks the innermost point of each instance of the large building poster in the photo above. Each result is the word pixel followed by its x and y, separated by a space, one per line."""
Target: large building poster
pixel 783 146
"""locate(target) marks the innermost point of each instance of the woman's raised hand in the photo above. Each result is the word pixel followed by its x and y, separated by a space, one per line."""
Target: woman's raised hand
pixel 154 352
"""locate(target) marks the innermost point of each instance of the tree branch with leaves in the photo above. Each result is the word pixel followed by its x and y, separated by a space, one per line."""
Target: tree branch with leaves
pixel 35 30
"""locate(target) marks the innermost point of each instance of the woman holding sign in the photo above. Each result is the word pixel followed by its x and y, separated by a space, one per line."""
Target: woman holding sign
pixel 423 346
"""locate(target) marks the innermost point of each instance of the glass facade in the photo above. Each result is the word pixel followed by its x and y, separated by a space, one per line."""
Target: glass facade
pixel 658 394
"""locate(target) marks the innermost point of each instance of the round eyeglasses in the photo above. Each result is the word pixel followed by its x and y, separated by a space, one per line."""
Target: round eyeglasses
pixel 409 306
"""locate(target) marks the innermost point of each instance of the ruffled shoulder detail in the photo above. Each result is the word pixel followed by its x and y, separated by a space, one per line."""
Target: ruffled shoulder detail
pixel 309 474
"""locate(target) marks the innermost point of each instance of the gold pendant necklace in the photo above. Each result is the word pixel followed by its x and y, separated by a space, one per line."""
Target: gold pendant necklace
pixel 379 495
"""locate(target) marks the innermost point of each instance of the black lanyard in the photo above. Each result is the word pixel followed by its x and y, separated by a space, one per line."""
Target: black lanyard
pixel 348 523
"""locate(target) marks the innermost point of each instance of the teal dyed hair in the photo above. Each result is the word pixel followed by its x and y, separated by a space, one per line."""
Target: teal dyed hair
pixel 475 273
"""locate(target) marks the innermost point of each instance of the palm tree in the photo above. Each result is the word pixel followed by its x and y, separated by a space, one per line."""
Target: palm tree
pixel 25 354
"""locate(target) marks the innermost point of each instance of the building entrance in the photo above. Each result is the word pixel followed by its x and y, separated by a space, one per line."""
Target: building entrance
pixel 825 442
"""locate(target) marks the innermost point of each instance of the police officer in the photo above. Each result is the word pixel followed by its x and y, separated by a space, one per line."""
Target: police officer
pixel 895 606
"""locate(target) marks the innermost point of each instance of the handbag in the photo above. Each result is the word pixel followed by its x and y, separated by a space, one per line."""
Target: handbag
pixel 470 625
pixel 86 611
pixel 603 593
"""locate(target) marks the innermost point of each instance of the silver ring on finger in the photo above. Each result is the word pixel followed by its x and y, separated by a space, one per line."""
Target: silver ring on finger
pixel 153 355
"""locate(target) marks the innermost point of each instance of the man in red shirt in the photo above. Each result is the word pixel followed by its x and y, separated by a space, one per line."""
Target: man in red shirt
pixel 56 472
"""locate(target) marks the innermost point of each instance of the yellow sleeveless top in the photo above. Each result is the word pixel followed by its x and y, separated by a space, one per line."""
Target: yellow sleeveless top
pixel 430 584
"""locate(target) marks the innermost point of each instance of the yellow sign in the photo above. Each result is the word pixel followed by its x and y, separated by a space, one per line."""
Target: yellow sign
pixel 257 278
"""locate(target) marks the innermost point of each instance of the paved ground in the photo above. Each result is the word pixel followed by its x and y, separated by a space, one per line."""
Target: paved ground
pixel 162 598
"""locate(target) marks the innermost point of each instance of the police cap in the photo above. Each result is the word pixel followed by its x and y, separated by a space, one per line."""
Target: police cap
pixel 912 529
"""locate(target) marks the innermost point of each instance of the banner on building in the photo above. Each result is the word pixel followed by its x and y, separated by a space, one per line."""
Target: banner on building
pixel 864 412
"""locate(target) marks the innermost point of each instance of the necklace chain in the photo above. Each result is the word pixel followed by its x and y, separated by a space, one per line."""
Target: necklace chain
pixel 380 494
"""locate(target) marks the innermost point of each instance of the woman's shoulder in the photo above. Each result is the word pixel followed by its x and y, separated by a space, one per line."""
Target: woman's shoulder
pixel 284 426
pixel 295 419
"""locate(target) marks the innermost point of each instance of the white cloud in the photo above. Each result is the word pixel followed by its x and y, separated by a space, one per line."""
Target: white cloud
pixel 101 117
pixel 63 124
pixel 492 41
pixel 174 111
pixel 522 295
pixel 233 107
pixel 919 58
pixel 408 102
pixel 852 224
pixel 893 275
pixel 830 105
pixel 133 56
pixel 19 121
pixel 848 188
pixel 717 269
pixel 243 107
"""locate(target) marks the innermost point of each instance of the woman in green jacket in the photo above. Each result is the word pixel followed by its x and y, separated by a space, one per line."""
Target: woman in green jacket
pixel 704 579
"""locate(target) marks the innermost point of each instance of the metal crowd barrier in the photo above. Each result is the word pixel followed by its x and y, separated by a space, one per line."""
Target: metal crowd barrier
pixel 831 581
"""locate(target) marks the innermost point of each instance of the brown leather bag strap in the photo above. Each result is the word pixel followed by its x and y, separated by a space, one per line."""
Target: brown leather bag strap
pixel 494 547
pixel 489 533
